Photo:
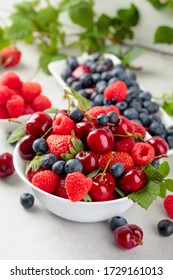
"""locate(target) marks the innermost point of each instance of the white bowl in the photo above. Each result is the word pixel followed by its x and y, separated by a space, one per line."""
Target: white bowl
pixel 8 125
pixel 87 212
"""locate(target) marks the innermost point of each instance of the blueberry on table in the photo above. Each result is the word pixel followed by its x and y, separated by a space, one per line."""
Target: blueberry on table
pixel 27 200
pixel 117 221
pixel 165 227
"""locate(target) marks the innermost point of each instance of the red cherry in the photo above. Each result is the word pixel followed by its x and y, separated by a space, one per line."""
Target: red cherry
pixel 25 147
pixel 38 124
pixel 102 189
pixel 100 140
pixel 132 179
pixel 159 144
pixel 80 70
pixel 6 165
pixel 89 161
pixel 82 129
pixel 124 126
pixel 128 236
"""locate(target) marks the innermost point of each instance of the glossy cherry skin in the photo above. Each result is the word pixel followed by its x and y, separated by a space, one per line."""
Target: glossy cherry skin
pixel 38 124
pixel 101 140
pixel 89 161
pixel 25 147
pixel 123 127
pixel 159 144
pixel 6 165
pixel 132 180
pixel 82 129
pixel 128 236
pixel 102 190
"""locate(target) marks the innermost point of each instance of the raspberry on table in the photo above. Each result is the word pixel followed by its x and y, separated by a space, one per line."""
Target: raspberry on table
pixel 116 90
pixel 4 113
pixel 46 180
pixel 5 94
pixel 15 106
pixel 11 80
pixel 168 205
pixel 142 153
pixel 41 103
pixel 30 90
pixel 63 125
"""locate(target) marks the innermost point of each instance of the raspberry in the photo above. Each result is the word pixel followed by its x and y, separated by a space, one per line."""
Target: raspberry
pixel 125 144
pixel 27 109
pixel 77 186
pixel 124 158
pixel 46 180
pixel 62 125
pixel 168 205
pixel 142 153
pixel 15 106
pixel 10 56
pixel 60 189
pixel 11 80
pixel 95 111
pixel 4 113
pixel 113 108
pixel 116 90
pixel 139 129
pixel 5 94
pixel 30 91
pixel 41 103
pixel 59 144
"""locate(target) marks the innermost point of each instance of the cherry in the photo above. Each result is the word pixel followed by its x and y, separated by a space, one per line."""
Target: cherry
pixel 38 124
pixel 101 140
pixel 82 129
pixel 25 147
pixel 6 165
pixel 128 236
pixel 132 179
pixel 102 188
pixel 89 161
pixel 123 127
pixel 159 144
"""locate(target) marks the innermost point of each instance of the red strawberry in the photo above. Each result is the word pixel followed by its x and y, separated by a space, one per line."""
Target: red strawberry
pixel 41 103
pixel 10 56
pixel 168 205
pixel 30 91
pixel 77 186
pixel 62 124
pixel 31 173
pixel 122 157
pixel 80 70
pixel 113 108
pixel 46 180
pixel 11 80
pixel 95 111
pixel 59 144
pixel 15 106
pixel 125 144
pixel 139 129
pixel 116 90
pixel 60 189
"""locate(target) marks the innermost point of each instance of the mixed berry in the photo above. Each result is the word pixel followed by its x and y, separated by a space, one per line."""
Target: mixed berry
pixel 103 83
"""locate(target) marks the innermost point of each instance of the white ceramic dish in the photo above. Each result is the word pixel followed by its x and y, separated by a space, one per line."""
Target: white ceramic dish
pixel 87 212
pixel 8 125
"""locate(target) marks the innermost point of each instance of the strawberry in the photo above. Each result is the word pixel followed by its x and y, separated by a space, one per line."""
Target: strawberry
pixel 46 180
pixel 59 144
pixel 124 158
pixel 41 103
pixel 10 56
pixel 95 111
pixel 77 186
pixel 116 90
pixel 15 106
pixel 168 205
pixel 11 80
pixel 113 108
pixel 125 144
pixel 30 90
pixel 62 124
pixel 138 129
pixel 60 189
pixel 31 173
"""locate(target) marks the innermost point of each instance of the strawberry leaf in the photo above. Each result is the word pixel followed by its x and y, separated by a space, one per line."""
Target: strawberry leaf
pixel 77 144
pixel 153 174
pixel 93 173
pixel 168 183
pixel 66 156
pixel 34 164
pixel 162 193
pixel 16 135
pixel 87 198
pixel 164 168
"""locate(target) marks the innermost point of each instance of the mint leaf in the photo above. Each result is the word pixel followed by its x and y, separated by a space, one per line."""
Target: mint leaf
pixel 145 196
pixel 164 34
pixel 128 16
pixel 103 24
pixel 78 99
pixel 153 174
pixel 159 4
pixel 77 144
pixel 16 135
pixel 162 193
pixel 164 168
pixel 81 13
pixel 169 184
pixel 34 164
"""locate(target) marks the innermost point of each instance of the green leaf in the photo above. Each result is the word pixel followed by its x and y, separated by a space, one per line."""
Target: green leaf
pixel 128 16
pixel 169 184
pixel 66 156
pixel 82 14
pixel 132 54
pixel 77 144
pixel 164 168
pixel 162 193
pixel 122 194
pixel 145 196
pixel 93 173
pixel 87 198
pixel 16 135
pixel 164 34
pixel 51 110
pixel 78 99
pixel 72 151
pixel 160 4
pixel 153 174
pixel 103 25
pixel 45 59
pixel 34 164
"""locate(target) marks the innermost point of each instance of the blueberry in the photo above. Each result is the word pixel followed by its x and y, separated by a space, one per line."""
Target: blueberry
pixel 145 119
pixel 170 130
pixel 48 160
pixel 113 117
pixel 121 66
pixel 109 101
pixel 155 118
pixel 105 76
pixel 122 105
pixel 70 80
pixel 134 91
pixel 156 128
pixel 84 93
pixel 77 85
pixel 73 165
pixel 27 200
pixel 101 84
pixel 86 80
pixel 107 61
pixel 76 115
pixel 112 80
pixel 165 227
pixel 151 106
pixel 72 62
pixel 101 89
pixel 96 56
pixel 118 73
pixel 131 75
pixel 66 72
pixel 96 77
pixel 98 100
pixel 116 169
pixel 102 119
pixel 117 221
pixel 155 163
pixel 145 95
pixel 136 105
pixel 40 145
pixel 131 113
pixel 58 166
pixel 100 68
pixel 169 140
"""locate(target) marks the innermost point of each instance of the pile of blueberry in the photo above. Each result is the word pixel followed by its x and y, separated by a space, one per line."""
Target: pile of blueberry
pixel 92 77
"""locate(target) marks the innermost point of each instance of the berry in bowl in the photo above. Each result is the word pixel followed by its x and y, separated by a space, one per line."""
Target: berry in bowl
pixel 88 165
pixel 18 100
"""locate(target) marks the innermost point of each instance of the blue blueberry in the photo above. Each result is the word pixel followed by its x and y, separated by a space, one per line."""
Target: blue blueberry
pixel 72 62
pixel 112 80
pixel 27 200
pixel 106 76
pixel 155 163
pixel 76 115
pixel 98 100
pixel 73 165
pixel 116 169
pixel 122 105
pixel 169 140
pixel 86 80
pixel 48 160
pixel 84 93
pixel 101 84
pixel 145 95
pixel 96 56
pixel 100 68
pixel 102 119
pixel 131 113
pixel 117 221
pixel 165 227
pixel 113 117
pixel 70 80
pixel 77 85
pixel 151 106
pixel 156 128
pixel 40 146
pixel 58 166
pixel 145 119
pixel 136 105
pixel 108 62
pixel 66 73
pixel 96 77
pixel 170 130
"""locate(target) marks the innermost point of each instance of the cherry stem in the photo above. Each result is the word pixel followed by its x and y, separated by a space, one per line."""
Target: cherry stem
pixel 15 121
pixel 105 169
pixel 161 156
pixel 47 132
pixel 140 242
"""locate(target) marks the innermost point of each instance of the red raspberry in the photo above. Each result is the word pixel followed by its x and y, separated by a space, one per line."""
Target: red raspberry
pixel 142 153
pixel 30 91
pixel 113 108
pixel 10 56
pixel 5 94
pixel 77 186
pixel 46 180
pixel 116 90
pixel 41 103
pixel 168 205
pixel 27 109
pixel 80 70
pixel 124 158
pixel 4 113
pixel 15 106
pixel 11 80
pixel 63 125
pixel 95 111
pixel 59 144
pixel 139 129
pixel 125 144
pixel 60 189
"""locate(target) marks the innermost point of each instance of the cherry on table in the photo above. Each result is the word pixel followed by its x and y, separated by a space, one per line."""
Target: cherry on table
pixel 6 165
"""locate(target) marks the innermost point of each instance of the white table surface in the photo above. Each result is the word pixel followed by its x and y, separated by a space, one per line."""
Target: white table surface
pixel 37 234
